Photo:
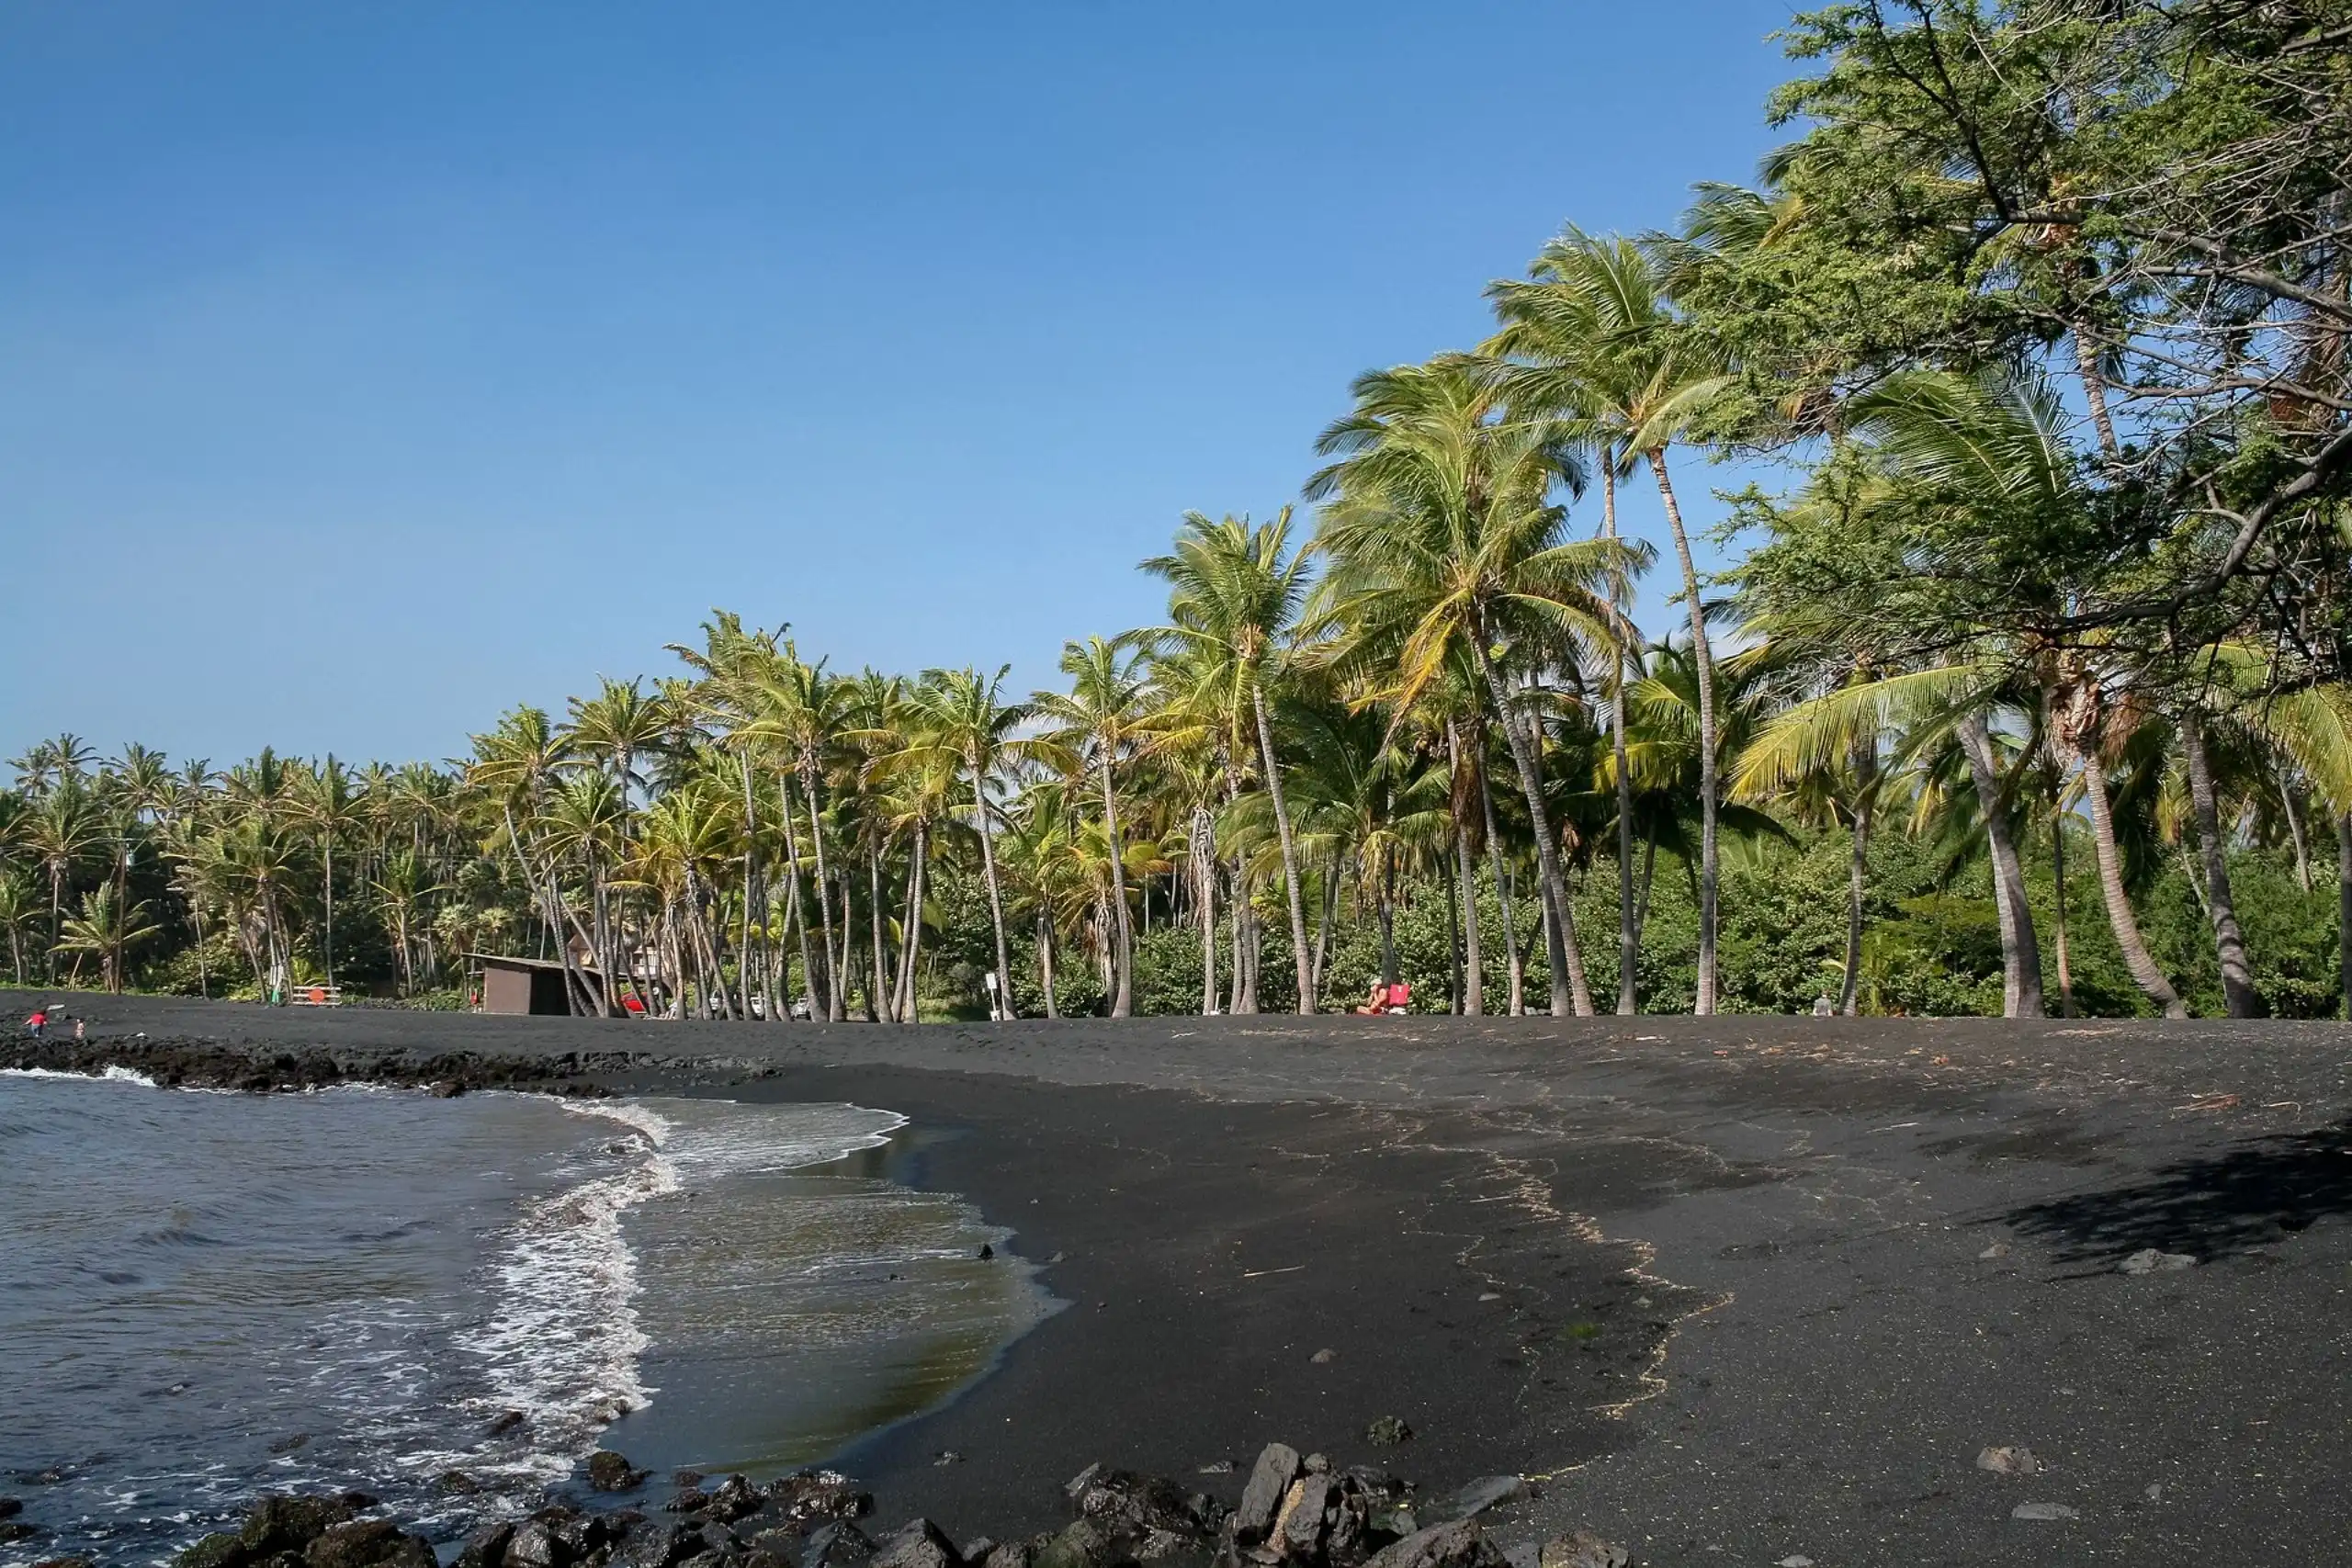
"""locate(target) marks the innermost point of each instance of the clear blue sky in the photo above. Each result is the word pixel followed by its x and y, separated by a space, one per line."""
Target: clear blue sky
pixel 368 368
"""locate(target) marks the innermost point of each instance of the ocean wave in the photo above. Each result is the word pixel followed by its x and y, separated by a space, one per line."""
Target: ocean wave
pixel 111 1075
pixel 562 1345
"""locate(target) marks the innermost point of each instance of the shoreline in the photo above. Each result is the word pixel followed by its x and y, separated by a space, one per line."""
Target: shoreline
pixel 1891 1244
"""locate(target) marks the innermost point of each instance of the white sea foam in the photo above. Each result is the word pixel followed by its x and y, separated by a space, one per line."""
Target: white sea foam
pixel 565 1344
pixel 562 1344
pixel 111 1075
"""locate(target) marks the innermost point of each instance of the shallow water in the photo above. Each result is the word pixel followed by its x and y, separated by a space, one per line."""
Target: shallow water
pixel 208 1295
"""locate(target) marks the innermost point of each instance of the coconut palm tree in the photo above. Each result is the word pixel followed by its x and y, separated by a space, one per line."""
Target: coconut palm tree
pixel 1589 336
pixel 1235 593
pixel 108 928
pixel 961 717
pixel 324 800
pixel 1445 548
pixel 1098 721
pixel 60 832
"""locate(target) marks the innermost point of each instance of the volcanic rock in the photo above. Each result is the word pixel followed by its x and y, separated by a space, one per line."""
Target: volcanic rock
pixel 1582 1550
pixel 1270 1481
pixel 1457 1545
pixel 289 1524
pixel 369 1543
pixel 917 1544
pixel 610 1472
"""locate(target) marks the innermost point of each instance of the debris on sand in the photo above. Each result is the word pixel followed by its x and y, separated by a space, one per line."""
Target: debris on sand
pixel 2150 1261
pixel 2007 1460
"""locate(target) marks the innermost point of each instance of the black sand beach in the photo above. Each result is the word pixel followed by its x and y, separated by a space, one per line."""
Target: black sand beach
pixel 1739 1290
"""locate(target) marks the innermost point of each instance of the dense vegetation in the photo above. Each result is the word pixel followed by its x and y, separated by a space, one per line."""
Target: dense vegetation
pixel 2027 694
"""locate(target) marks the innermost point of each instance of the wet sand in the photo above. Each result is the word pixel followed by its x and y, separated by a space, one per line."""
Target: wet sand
pixel 1742 1289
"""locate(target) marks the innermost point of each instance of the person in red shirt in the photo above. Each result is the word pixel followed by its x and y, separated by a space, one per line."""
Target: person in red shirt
pixel 37 1023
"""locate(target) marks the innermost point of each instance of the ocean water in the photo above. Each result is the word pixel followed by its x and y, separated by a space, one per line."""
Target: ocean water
pixel 206 1296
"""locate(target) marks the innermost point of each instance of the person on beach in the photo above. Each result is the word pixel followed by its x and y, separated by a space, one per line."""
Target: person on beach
pixel 1385 999
pixel 37 1023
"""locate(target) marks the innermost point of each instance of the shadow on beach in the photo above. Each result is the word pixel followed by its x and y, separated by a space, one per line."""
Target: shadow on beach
pixel 2228 1203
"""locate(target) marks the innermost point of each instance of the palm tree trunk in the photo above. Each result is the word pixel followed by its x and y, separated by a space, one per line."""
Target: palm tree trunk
pixel 2344 910
pixel 1513 965
pixel 1290 856
pixel 1205 875
pixel 1474 989
pixel 2143 968
pixel 1328 917
pixel 1628 933
pixel 910 940
pixel 2095 395
pixel 1568 967
pixel 1123 999
pixel 795 916
pixel 2292 799
pixel 2229 943
pixel 1245 940
pixel 1003 999
pixel 2058 875
pixel 836 1008
pixel 1702 655
pixel 2020 952
pixel 327 845
pixel 884 995
pixel 1857 881
pixel 1045 963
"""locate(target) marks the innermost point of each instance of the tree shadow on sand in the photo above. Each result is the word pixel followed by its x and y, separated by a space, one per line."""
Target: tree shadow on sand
pixel 2259 1192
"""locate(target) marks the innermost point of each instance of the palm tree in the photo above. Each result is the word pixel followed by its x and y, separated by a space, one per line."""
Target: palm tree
pixel 1235 592
pixel 1589 336
pixel 323 798
pixel 1100 718
pixel 108 928
pixel 960 715
pixel 60 832
pixel 1447 551
pixel 19 901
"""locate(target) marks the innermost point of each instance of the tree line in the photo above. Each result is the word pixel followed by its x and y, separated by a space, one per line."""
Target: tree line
pixel 2042 313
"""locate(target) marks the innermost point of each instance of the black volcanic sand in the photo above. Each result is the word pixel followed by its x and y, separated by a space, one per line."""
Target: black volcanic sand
pixel 1854 1253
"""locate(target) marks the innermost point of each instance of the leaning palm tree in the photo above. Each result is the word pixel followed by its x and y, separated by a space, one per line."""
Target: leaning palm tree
pixel 1235 593
pixel 1589 336
pixel 1098 721
pixel 1447 551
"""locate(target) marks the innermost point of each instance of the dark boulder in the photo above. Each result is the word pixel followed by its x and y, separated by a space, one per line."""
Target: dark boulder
pixel 816 1496
pixel 11 1506
pixel 1270 1481
pixel 533 1545
pixel 1457 1545
pixel 1303 1518
pixel 289 1524
pixel 919 1544
pixel 219 1550
pixel 609 1471
pixel 486 1547
pixel 368 1543
pixel 735 1498
pixel 657 1546
pixel 1083 1545
pixel 837 1544
pixel 1387 1432
pixel 1011 1554
pixel 1125 1502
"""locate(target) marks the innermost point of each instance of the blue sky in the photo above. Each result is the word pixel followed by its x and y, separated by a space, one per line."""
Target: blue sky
pixel 366 370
